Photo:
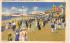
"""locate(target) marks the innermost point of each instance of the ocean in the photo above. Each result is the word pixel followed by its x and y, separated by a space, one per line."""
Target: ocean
pixel 8 17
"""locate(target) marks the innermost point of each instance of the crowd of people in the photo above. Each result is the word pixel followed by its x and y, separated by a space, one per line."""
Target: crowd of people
pixel 20 27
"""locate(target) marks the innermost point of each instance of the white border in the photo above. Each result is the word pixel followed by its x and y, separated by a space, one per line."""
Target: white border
pixel 67 27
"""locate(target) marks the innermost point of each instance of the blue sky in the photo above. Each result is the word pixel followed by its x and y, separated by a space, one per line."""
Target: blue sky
pixel 42 5
pixel 30 4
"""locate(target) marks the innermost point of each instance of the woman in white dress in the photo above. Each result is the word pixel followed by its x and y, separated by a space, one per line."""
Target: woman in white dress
pixel 23 35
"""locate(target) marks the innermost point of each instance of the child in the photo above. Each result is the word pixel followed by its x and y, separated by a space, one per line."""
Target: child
pixel 10 37
pixel 17 35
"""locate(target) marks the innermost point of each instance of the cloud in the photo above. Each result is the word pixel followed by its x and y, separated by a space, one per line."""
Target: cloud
pixel 21 10
pixel 15 10
pixel 35 8
pixel 5 11
pixel 12 8
pixel 25 10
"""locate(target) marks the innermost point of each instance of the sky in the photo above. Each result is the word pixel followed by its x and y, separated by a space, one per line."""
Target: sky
pixel 28 6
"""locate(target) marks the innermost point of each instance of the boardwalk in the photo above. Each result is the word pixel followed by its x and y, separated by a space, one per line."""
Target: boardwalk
pixel 44 34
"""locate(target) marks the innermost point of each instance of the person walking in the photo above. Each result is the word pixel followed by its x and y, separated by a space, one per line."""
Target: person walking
pixel 26 23
pixel 52 26
pixel 13 26
pixel 44 23
pixel 23 35
pixel 38 25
